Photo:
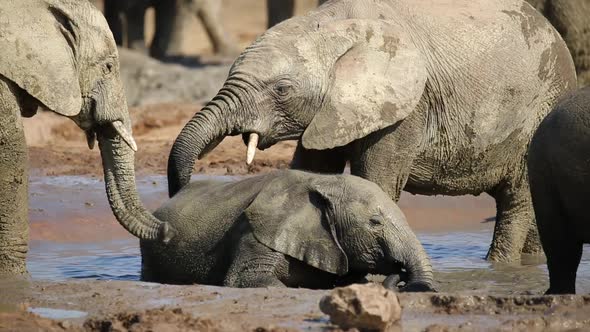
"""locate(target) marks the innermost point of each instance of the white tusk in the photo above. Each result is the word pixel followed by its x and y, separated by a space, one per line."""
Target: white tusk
pixel 120 128
pixel 90 138
pixel 252 144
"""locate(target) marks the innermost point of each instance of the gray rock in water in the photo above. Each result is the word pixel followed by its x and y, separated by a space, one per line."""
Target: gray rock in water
pixel 149 81
pixel 365 307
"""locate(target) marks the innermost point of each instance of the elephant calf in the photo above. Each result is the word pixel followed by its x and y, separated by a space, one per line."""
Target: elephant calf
pixel 288 228
pixel 559 175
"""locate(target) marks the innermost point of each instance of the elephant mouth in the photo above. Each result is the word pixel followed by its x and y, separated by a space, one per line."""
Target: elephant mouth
pixel 119 129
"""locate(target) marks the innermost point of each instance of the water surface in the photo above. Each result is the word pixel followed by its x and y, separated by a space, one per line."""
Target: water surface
pixel 75 236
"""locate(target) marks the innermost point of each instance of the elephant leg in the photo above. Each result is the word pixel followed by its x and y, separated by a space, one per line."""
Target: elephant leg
pixel 331 161
pixel 112 15
pixel 135 17
pixel 171 21
pixel 386 157
pixel 13 184
pixel 254 265
pixel 209 15
pixel 515 222
pixel 278 11
pixel 561 247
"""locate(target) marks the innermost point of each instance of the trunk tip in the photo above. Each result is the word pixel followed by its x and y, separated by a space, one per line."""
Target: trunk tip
pixel 166 232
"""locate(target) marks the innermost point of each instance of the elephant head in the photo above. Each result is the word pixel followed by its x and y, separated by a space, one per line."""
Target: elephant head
pixel 339 224
pixel 62 55
pixel 326 83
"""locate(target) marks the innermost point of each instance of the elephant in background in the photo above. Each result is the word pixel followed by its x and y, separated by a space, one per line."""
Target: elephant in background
pixel 288 228
pixel 280 10
pixel 559 174
pixel 61 57
pixel 126 20
pixel 401 91
pixel 572 19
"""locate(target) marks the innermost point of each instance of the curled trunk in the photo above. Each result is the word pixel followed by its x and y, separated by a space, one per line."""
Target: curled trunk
pixel 119 175
pixel 409 252
pixel 205 130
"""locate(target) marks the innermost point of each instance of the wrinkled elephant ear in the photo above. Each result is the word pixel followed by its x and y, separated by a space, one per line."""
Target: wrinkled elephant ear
pixel 292 219
pixel 375 83
pixel 39 44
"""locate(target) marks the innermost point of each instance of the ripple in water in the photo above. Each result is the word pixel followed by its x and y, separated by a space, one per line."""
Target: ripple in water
pixel 115 260
pixel 457 258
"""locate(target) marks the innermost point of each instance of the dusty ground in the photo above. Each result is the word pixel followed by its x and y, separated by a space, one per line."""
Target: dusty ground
pixel 57 146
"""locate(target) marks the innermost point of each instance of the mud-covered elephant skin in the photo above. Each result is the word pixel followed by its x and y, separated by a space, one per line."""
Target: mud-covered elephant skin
pixel 572 19
pixel 416 95
pixel 288 228
pixel 126 20
pixel 280 10
pixel 61 57
pixel 559 175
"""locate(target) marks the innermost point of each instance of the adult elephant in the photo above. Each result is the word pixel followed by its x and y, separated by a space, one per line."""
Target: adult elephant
pixel 61 57
pixel 126 20
pixel 416 95
pixel 280 10
pixel 572 19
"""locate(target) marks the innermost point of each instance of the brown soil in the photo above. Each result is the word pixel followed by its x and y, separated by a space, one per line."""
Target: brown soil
pixel 133 306
pixel 58 147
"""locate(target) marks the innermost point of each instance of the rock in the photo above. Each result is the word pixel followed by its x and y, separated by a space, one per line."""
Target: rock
pixel 365 307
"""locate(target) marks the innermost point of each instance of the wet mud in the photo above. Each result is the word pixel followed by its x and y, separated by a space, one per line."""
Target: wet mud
pixel 133 306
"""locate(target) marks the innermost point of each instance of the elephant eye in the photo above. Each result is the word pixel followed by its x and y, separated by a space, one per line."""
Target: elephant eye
pixel 108 68
pixel 376 221
pixel 282 88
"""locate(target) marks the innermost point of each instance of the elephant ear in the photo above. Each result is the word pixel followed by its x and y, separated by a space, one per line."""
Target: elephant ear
pixel 289 217
pixel 377 82
pixel 38 43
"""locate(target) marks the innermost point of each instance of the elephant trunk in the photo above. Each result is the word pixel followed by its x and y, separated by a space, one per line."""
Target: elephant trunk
pixel 119 174
pixel 201 134
pixel 409 252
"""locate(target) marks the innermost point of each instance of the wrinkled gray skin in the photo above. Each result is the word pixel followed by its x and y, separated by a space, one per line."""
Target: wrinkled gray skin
pixel 572 19
pixel 61 57
pixel 288 228
pixel 172 19
pixel 559 174
pixel 280 10
pixel 416 95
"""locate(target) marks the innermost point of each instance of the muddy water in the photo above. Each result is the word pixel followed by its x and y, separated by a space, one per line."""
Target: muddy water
pixel 73 235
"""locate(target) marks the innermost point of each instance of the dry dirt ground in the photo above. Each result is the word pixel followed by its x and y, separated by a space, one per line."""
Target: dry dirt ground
pixel 57 147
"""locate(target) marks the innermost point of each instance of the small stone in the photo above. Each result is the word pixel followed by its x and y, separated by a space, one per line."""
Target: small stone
pixel 366 307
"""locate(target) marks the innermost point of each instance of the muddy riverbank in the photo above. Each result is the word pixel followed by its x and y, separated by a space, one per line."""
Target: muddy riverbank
pixel 121 306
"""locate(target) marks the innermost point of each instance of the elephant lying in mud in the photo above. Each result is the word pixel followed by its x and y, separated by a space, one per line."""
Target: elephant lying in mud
pixel 288 228
pixel 418 95
pixel 559 174
pixel 60 55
